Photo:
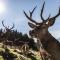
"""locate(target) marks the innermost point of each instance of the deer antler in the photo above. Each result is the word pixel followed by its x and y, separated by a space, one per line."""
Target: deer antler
pixel 51 21
pixel 30 18
pixel 57 14
pixel 3 24
pixel 7 27
pixel 12 26
pixel 42 13
pixel 31 12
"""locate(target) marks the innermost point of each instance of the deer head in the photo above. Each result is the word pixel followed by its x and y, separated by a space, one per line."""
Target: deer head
pixel 40 29
pixel 7 28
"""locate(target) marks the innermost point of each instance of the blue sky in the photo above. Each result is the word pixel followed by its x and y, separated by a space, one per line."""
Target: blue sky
pixel 14 14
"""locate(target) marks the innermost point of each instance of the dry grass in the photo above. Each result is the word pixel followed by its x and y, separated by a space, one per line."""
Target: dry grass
pixel 17 52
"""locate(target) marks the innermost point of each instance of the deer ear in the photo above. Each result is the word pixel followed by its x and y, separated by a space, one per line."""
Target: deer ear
pixel 31 25
pixel 50 22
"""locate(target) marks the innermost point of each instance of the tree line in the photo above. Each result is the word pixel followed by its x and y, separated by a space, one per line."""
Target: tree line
pixel 17 38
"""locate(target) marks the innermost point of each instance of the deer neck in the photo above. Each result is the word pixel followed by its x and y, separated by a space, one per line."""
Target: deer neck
pixel 51 45
pixel 49 39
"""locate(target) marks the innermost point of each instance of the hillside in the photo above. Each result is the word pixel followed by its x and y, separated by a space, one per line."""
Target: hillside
pixel 7 53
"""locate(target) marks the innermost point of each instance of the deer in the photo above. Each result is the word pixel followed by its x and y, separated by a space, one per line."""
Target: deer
pixel 40 31
pixel 8 29
pixel 7 35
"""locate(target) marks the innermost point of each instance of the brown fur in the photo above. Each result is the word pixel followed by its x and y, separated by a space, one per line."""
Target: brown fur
pixel 40 31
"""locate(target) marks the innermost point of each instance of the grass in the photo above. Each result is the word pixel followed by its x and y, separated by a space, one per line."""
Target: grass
pixel 1 58
pixel 17 53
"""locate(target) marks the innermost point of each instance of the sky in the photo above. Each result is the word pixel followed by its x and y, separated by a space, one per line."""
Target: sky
pixel 13 13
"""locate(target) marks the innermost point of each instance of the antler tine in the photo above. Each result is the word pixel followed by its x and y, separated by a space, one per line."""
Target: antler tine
pixel 12 26
pixel 30 18
pixel 59 10
pixel 57 14
pixel 42 11
pixel 32 12
pixel 3 24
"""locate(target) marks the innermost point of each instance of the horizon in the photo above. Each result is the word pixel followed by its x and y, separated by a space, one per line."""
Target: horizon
pixel 14 14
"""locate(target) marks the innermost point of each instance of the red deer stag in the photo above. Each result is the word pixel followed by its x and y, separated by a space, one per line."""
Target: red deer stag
pixel 40 31
pixel 7 34
pixel 7 28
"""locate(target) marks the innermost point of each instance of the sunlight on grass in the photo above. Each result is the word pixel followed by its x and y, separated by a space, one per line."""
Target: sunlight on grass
pixel 16 52
pixel 1 58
